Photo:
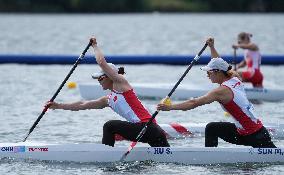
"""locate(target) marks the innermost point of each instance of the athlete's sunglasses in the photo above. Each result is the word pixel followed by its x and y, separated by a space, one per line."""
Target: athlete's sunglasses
pixel 100 78
pixel 209 72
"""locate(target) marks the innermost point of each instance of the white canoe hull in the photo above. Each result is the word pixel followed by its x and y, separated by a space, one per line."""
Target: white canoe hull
pixel 93 91
pixel 100 153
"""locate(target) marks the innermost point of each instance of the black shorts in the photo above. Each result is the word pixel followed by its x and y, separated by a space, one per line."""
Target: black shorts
pixel 154 135
pixel 228 132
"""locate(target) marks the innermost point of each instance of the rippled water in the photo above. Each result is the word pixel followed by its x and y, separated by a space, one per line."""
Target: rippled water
pixel 25 88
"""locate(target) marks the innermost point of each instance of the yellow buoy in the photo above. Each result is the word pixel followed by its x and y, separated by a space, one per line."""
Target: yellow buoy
pixel 71 85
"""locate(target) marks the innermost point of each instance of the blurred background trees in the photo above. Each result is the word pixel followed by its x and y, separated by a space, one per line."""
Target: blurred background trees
pixel 125 6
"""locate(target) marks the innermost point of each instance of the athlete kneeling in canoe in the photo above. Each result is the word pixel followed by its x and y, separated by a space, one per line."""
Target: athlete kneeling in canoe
pixel 121 100
pixel 252 60
pixel 247 128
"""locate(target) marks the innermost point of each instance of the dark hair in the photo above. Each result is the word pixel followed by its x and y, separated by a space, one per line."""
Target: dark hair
pixel 228 72
pixel 243 35
pixel 230 67
pixel 121 70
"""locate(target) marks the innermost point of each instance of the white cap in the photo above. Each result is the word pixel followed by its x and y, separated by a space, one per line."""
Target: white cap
pixel 98 74
pixel 216 64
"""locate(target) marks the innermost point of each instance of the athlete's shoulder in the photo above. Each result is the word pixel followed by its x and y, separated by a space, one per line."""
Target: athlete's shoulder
pixel 253 47
pixel 221 94
pixel 220 90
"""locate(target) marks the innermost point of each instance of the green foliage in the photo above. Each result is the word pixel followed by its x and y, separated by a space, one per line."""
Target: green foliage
pixel 114 6
pixel 177 5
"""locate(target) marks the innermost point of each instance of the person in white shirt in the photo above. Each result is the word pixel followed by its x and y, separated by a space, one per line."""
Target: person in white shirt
pixel 252 60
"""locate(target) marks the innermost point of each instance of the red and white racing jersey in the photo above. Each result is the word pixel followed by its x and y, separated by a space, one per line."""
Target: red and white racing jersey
pixel 241 109
pixel 127 105
pixel 253 60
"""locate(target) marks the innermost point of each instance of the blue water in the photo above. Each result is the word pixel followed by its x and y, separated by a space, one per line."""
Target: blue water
pixel 25 88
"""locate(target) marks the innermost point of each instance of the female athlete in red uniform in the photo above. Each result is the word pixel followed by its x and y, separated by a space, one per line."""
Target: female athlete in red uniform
pixel 121 100
pixel 252 59
pixel 247 129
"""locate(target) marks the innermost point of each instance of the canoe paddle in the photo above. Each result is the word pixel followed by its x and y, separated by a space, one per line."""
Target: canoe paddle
pixel 235 59
pixel 58 90
pixel 143 131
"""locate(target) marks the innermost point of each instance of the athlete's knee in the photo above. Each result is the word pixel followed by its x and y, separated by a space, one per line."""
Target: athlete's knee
pixel 159 142
pixel 108 126
pixel 156 136
pixel 162 140
pixel 211 127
